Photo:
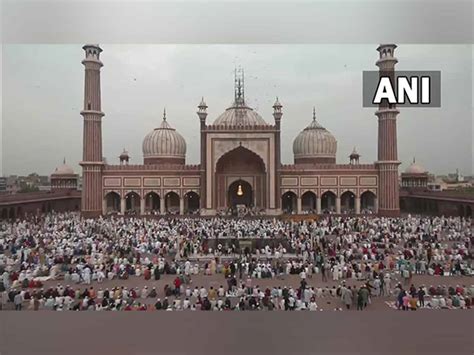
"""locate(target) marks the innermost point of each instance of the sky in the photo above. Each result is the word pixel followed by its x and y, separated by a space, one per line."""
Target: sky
pixel 43 95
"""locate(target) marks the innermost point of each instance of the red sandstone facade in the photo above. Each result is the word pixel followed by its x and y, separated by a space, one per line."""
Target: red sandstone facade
pixel 240 163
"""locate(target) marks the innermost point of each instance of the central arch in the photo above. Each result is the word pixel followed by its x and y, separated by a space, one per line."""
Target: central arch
pixel 244 167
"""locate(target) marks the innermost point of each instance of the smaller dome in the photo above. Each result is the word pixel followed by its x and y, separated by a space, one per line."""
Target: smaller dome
pixel 63 169
pixel 124 155
pixel 354 153
pixel 315 144
pixel 164 144
pixel 414 168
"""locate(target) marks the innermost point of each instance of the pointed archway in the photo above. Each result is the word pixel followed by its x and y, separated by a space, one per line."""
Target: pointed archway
pixel 367 202
pixel 348 202
pixel 328 202
pixel 172 202
pixel 132 203
pixel 240 164
pixel 289 202
pixel 112 201
pixel 308 201
pixel 152 203
pixel 191 202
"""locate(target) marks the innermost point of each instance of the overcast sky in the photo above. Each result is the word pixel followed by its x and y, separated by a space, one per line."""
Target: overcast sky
pixel 43 93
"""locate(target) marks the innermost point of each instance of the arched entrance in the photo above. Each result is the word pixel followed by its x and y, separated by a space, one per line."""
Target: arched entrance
pixel 132 203
pixel 289 202
pixel 112 201
pixel 328 202
pixel 152 203
pixel 240 193
pixel 172 202
pixel 11 215
pixel 367 202
pixel 348 202
pixel 308 201
pixel 461 211
pixel 4 213
pixel 191 202
pixel 245 166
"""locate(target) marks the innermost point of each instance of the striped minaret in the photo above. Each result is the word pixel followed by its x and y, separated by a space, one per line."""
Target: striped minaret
pixel 387 164
pixel 92 137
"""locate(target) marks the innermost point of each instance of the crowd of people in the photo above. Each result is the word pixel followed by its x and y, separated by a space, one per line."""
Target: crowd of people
pixel 360 256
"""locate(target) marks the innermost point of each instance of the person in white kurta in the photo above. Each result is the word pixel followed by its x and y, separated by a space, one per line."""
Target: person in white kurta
pixel 335 273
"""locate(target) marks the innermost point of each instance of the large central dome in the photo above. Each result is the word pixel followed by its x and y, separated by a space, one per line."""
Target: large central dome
pixel 239 114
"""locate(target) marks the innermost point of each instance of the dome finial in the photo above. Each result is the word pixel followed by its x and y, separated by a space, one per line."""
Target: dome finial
pixel 64 161
pixel 314 113
pixel 239 95
pixel 414 161
pixel 164 114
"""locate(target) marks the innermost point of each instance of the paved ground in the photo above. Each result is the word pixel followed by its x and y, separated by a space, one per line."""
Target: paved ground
pixel 144 333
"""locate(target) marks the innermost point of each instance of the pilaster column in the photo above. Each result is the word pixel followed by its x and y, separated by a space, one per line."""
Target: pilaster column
pixel 142 206
pixel 181 205
pixel 298 205
pixel 122 205
pixel 376 205
pixel 104 206
pixel 162 204
pixel 318 204
pixel 338 205
pixel 357 204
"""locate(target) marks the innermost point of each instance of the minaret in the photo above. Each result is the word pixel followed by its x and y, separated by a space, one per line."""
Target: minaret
pixel 202 114
pixel 387 164
pixel 277 115
pixel 92 160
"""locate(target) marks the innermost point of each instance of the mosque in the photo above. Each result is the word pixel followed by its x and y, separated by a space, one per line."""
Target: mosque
pixel 240 163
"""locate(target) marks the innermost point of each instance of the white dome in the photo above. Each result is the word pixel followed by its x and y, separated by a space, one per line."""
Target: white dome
pixel 313 142
pixel 414 168
pixel 164 142
pixel 63 169
pixel 240 115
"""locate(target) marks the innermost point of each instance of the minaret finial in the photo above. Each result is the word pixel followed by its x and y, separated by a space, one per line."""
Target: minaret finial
pixel 64 161
pixel 164 114
pixel 414 160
